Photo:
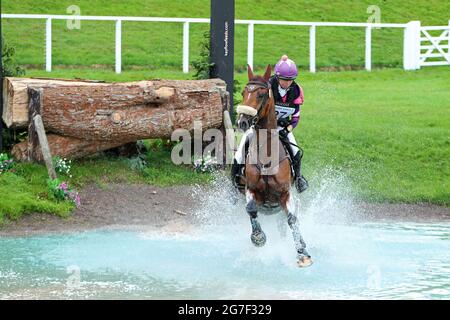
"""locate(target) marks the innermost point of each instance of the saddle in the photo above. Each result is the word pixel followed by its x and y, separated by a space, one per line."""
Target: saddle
pixel 284 152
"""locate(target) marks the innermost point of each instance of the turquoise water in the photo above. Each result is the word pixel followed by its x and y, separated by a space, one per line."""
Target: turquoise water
pixel 382 260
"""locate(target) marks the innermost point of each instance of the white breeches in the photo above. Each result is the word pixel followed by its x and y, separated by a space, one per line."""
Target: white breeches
pixel 240 156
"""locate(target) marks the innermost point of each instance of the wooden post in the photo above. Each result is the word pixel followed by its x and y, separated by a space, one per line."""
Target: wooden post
pixel 39 126
pixel 34 108
pixel 227 130
pixel 36 132
pixel 229 137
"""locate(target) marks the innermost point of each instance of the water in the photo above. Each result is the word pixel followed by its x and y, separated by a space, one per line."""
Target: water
pixel 358 260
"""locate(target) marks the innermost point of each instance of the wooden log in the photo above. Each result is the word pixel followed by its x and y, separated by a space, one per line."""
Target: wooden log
pixel 64 147
pixel 109 111
pixel 84 117
pixel 87 114
pixel 15 97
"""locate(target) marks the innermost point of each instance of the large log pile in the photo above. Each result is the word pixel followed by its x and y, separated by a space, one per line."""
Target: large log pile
pixel 83 117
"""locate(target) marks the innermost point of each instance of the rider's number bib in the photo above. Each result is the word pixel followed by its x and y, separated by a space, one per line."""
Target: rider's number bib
pixel 283 112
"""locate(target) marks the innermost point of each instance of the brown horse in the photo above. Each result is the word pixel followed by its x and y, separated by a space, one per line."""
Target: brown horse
pixel 268 176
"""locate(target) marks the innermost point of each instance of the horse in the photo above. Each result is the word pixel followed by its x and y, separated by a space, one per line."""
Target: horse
pixel 264 187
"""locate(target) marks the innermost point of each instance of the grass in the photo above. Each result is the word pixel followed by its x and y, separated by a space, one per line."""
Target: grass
pixel 159 171
pixel 24 190
pixel 159 45
pixel 387 131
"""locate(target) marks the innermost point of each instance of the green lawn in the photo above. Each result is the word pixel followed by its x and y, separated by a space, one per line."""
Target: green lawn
pixel 24 190
pixel 159 45
pixel 386 131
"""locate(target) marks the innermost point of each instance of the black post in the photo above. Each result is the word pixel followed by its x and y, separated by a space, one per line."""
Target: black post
pixel 222 43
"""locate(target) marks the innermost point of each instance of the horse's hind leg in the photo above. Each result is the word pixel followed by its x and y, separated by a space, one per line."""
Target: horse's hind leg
pixel 258 236
pixel 304 259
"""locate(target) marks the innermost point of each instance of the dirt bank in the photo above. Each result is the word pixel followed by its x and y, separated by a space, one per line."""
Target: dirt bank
pixel 171 208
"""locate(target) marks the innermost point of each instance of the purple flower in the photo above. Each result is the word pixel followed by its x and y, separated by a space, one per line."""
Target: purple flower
pixel 63 186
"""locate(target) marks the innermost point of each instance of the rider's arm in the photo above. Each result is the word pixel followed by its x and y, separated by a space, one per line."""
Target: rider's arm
pixel 296 115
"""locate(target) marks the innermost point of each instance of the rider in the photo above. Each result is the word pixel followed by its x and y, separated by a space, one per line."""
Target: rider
pixel 288 97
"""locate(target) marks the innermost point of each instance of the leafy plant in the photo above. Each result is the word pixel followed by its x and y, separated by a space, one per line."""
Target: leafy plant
pixel 9 66
pixel 237 97
pixel 62 165
pixel 203 66
pixel 138 163
pixel 55 189
pixel 6 164
pixel 9 69
pixel 62 192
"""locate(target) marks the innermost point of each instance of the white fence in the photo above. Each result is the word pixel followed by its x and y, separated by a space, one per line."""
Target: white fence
pixel 412 56
pixel 420 46
pixel 435 49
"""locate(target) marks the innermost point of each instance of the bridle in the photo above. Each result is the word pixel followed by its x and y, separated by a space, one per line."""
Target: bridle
pixel 252 86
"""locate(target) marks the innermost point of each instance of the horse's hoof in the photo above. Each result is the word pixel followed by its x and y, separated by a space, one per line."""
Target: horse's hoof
pixel 258 239
pixel 304 261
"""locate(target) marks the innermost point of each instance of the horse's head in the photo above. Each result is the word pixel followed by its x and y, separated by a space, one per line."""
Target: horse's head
pixel 256 97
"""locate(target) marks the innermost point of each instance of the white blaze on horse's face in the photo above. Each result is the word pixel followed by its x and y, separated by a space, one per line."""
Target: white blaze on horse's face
pixel 251 103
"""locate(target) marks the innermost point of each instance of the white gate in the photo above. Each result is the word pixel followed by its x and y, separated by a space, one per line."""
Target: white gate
pixel 434 49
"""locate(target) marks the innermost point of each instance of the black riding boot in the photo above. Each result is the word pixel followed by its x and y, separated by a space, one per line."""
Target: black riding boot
pixel 300 182
pixel 236 169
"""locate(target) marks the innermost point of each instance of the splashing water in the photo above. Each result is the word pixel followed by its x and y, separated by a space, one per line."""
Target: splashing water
pixel 362 260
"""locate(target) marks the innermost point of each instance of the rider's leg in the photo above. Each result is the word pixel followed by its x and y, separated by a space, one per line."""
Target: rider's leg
pixel 300 182
pixel 239 157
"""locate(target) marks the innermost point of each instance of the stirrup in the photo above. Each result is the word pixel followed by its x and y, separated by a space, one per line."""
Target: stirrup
pixel 301 184
pixel 237 176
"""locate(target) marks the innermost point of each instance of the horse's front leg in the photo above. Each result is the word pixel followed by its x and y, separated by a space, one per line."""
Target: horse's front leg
pixel 258 236
pixel 304 259
pixel 281 224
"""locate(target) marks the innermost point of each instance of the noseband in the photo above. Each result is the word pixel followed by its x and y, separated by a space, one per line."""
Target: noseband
pixel 252 86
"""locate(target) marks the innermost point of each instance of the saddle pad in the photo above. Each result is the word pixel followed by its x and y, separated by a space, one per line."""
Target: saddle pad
pixel 257 154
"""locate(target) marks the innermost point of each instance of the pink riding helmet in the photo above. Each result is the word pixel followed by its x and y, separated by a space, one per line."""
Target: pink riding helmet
pixel 286 69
